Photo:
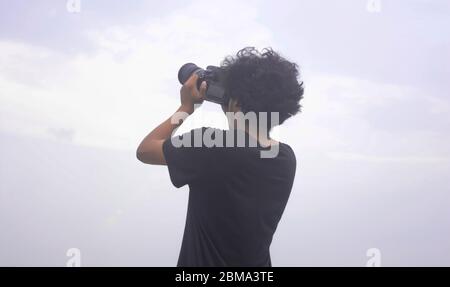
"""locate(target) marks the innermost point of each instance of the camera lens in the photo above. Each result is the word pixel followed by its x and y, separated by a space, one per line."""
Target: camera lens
pixel 186 71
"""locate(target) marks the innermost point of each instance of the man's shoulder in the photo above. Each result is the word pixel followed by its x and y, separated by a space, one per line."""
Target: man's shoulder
pixel 203 137
pixel 230 141
pixel 203 130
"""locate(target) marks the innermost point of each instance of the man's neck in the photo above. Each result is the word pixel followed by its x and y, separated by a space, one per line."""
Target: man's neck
pixel 262 137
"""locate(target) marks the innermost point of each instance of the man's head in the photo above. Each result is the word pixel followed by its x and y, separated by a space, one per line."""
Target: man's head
pixel 262 82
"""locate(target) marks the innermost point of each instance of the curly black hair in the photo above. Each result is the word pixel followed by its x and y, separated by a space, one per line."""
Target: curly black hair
pixel 263 82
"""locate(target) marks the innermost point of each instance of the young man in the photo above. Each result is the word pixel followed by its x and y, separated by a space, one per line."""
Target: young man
pixel 236 196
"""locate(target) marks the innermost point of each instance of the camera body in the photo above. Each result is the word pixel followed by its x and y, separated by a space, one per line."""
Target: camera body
pixel 214 77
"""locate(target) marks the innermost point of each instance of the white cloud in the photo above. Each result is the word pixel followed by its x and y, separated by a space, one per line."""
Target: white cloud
pixel 386 159
pixel 365 120
pixel 112 97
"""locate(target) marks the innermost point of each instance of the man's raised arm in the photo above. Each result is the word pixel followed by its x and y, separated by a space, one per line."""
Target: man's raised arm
pixel 150 150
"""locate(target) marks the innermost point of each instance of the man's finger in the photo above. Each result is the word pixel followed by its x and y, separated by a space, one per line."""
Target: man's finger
pixel 192 81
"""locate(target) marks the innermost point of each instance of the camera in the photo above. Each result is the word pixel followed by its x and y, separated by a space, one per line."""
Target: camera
pixel 214 77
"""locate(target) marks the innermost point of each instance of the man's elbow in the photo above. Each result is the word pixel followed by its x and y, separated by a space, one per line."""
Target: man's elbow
pixel 148 157
pixel 140 156
pixel 151 153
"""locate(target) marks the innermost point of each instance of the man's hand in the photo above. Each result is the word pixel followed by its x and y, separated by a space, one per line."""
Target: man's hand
pixel 190 95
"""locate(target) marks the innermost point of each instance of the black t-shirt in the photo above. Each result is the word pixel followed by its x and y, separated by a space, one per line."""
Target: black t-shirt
pixel 236 199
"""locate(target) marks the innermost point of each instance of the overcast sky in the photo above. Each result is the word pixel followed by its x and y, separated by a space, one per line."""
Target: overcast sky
pixel 376 112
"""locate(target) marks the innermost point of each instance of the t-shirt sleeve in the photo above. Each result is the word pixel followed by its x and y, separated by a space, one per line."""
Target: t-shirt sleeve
pixel 186 163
